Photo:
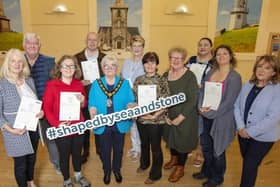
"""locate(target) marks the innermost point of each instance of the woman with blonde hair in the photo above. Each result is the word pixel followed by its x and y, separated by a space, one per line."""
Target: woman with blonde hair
pixel 20 144
pixel 133 68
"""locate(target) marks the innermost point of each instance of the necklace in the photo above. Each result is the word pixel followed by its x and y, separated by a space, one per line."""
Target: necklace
pixel 108 93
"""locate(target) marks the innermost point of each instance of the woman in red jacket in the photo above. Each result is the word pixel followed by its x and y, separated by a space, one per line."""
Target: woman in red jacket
pixel 65 79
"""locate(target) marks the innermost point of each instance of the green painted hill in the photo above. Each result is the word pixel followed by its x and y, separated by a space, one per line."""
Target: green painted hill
pixel 241 40
pixel 10 40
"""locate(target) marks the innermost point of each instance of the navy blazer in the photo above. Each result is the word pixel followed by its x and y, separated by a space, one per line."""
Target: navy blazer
pixel 263 122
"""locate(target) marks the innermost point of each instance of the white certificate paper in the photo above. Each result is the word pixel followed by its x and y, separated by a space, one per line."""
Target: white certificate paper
pixel 198 70
pixel 212 95
pixel 90 70
pixel 26 115
pixel 69 109
pixel 146 94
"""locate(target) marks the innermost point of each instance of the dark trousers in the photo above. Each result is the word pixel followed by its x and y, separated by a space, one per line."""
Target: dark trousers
pixel 181 157
pixel 86 143
pixel 150 136
pixel 24 165
pixel 70 145
pixel 111 139
pixel 252 152
pixel 51 145
pixel 214 166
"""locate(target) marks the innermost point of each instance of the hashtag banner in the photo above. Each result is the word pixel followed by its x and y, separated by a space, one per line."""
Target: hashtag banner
pixel 110 119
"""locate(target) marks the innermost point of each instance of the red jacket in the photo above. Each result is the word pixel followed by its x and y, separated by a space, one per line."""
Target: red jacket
pixel 51 99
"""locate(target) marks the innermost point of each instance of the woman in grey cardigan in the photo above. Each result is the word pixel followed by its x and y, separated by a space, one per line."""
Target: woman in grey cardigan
pixel 19 143
pixel 218 125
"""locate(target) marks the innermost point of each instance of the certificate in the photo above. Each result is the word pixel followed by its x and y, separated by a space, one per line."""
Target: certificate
pixel 198 70
pixel 90 70
pixel 146 94
pixel 26 115
pixel 69 108
pixel 212 95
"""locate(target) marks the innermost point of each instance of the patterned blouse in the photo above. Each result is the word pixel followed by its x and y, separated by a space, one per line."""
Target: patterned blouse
pixel 162 91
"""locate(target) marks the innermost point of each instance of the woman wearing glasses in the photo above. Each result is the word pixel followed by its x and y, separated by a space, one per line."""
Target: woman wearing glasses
pixel 107 95
pixel 65 79
pixel 181 131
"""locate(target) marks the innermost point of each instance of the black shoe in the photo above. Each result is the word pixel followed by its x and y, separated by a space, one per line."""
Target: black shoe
pixel 118 177
pixel 209 184
pixel 107 178
pixel 199 176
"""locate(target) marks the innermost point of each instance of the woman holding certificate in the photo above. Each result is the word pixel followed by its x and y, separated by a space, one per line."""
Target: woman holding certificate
pixel 217 96
pixel 147 88
pixel 107 95
pixel 21 144
pixel 200 65
pixel 181 131
pixel 257 115
pixel 63 100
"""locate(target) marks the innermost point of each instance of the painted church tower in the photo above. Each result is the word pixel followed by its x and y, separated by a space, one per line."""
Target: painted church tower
pixel 119 24
pixel 4 21
pixel 238 15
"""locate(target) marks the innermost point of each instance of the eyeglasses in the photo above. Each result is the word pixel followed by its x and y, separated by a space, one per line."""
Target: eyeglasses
pixel 175 58
pixel 64 66
pixel 137 46
pixel 110 66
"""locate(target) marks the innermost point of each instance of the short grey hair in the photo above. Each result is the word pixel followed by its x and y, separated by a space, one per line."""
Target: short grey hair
pixel 109 57
pixel 31 35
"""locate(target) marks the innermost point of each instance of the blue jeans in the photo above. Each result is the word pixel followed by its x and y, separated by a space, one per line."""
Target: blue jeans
pixel 214 166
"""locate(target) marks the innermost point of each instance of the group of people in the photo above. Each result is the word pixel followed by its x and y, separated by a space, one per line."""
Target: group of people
pixel 252 111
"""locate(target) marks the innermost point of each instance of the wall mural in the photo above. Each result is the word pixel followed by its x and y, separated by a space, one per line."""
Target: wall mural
pixel 10 25
pixel 237 24
pixel 117 22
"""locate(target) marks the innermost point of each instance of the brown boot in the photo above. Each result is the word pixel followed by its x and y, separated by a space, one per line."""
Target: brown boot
pixel 176 174
pixel 172 162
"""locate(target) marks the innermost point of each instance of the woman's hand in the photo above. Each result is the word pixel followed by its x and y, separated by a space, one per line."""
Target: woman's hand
pixel 66 123
pixel 178 120
pixel 13 130
pixel 40 115
pixel 131 105
pixel 85 82
pixel 18 131
pixel 92 112
pixel 168 121
pixel 147 116
pixel 204 109
pixel 81 98
pixel 243 133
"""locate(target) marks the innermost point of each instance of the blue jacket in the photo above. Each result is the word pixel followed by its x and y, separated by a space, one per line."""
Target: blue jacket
pixel 98 99
pixel 264 115
pixel 40 72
